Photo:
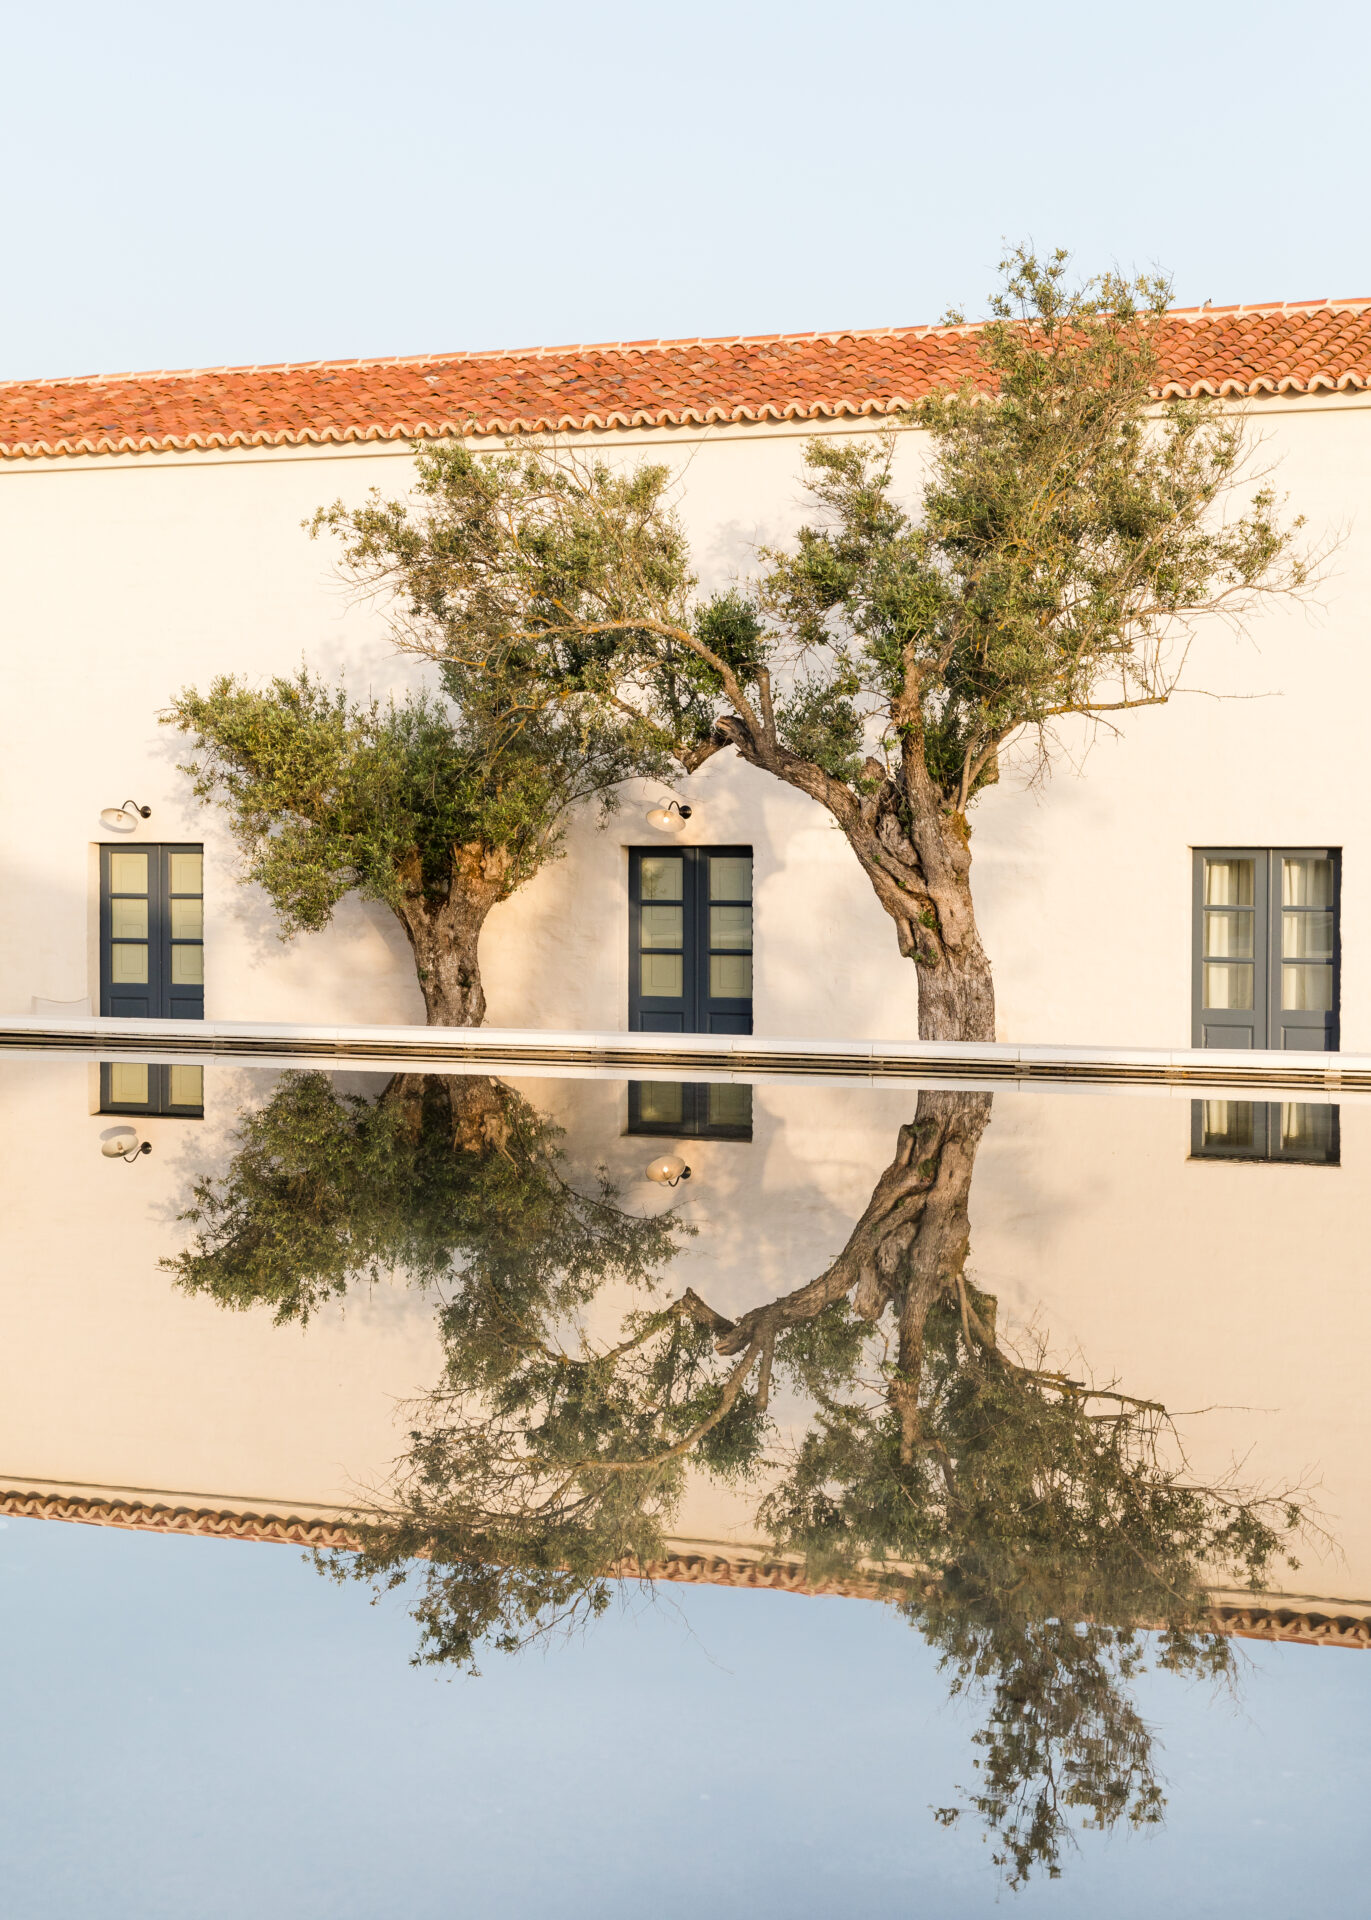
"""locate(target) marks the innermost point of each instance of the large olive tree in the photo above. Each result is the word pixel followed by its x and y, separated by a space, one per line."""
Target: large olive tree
pixel 1068 534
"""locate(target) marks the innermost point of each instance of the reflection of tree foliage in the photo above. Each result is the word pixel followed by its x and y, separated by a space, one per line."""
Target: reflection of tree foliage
pixel 1031 1526
pixel 1046 1525
pixel 1044 1522
pixel 442 1179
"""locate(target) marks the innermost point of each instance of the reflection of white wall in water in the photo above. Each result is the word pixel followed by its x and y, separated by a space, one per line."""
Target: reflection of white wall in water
pixel 178 566
pixel 110 1377
pixel 1205 1284
pixel 1228 1286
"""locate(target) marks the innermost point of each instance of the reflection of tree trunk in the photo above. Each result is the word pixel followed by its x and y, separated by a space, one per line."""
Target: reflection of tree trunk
pixel 927 1253
pixel 909 1248
pixel 477 1108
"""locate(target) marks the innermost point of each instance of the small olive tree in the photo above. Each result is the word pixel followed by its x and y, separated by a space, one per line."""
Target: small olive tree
pixel 1070 533
pixel 443 804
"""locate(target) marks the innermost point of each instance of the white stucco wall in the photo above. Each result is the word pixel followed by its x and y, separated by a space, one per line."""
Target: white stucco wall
pixel 122 579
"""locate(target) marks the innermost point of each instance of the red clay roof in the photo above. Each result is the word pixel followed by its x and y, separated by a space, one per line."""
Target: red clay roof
pixel 1306 347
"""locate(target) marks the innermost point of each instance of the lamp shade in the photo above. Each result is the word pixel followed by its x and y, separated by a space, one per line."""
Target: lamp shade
pixel 123 818
pixel 663 821
pixel 668 1169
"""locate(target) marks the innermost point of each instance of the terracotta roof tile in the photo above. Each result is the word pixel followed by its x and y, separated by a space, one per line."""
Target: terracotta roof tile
pixel 1308 347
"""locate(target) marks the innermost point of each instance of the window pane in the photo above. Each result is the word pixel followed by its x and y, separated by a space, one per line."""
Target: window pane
pixel 1229 987
pixel 129 965
pixel 1307 989
pixel 128 873
pixel 730 1106
pixel 661 975
pixel 660 876
pixel 187 919
pixel 188 1086
pixel 730 976
pixel 730 926
pixel 188 966
pixel 1229 1123
pixel 128 919
pixel 1228 883
pixel 730 877
pixel 1307 883
pixel 661 927
pixel 188 873
pixel 1306 1129
pixel 128 1086
pixel 1228 936
pixel 1307 936
pixel 661 1102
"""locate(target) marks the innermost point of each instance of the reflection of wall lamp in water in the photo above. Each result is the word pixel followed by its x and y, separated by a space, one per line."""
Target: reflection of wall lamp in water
pixel 660 817
pixel 126 816
pixel 669 1170
pixel 123 1144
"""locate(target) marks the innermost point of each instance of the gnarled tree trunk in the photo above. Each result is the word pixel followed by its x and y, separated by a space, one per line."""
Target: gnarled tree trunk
pixel 445 933
pixel 914 847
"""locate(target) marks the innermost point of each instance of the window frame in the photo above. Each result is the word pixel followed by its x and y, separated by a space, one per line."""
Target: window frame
pixel 695 1009
pixel 1266 1025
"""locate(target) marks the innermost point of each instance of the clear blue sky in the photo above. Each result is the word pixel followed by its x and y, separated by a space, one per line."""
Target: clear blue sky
pixel 195 185
pixel 206 1730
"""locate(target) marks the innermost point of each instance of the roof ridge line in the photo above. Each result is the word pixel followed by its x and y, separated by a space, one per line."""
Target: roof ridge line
pixel 486 353
pixel 830 335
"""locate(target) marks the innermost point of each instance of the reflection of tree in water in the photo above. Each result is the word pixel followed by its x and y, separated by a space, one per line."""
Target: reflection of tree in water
pixel 1031 1526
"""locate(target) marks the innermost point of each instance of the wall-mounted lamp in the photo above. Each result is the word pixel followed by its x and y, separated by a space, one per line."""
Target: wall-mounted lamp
pixel 126 816
pixel 669 1170
pixel 122 1143
pixel 660 817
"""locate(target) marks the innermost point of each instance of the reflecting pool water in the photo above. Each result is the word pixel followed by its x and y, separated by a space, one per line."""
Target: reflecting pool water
pixel 893 1499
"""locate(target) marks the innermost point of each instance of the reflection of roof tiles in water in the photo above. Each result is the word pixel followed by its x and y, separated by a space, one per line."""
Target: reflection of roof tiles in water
pixel 1248 1620
pixel 1238 352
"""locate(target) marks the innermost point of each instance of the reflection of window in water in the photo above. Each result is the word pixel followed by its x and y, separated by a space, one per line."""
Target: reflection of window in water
pixel 1264 1130
pixel 130 1087
pixel 690 1110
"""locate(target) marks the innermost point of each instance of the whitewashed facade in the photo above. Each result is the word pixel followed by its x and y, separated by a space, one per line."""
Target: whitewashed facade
pixel 127 575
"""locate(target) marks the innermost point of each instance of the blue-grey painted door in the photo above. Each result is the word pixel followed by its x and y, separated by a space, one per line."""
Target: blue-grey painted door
pixel 152 932
pixel 690 940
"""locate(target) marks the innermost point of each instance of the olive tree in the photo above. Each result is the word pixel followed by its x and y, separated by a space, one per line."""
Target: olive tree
pixel 442 804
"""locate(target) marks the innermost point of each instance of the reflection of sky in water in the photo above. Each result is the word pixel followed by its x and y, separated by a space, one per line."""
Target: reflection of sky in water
pixel 198 1728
